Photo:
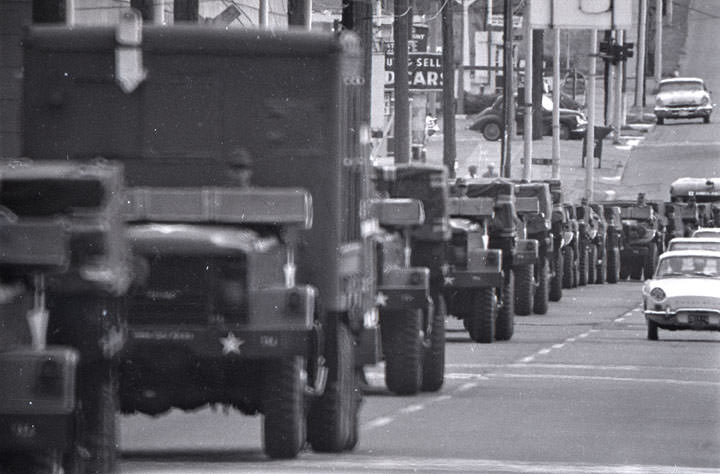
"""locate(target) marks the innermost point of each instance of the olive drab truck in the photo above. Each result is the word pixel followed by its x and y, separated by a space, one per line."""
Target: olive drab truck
pixel 560 227
pixel 245 295
pixel 534 207
pixel 592 243
pixel 571 253
pixel 412 331
pixel 697 200
pixel 613 242
pixel 474 275
pixel 411 302
pixel 65 267
pixel 502 235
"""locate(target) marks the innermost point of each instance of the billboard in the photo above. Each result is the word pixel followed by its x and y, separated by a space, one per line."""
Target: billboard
pixel 581 14
pixel 424 71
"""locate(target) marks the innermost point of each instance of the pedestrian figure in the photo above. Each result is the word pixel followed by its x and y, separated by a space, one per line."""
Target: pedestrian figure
pixel 490 173
pixel 472 171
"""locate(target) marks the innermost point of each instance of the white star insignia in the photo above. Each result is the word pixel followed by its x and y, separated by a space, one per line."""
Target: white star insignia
pixel 231 344
pixel 449 280
pixel 381 299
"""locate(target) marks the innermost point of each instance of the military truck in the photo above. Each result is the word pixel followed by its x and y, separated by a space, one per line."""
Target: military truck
pixel 643 237
pixel 517 253
pixel 561 229
pixel 613 242
pixel 571 253
pixel 424 255
pixel 534 207
pixel 237 300
pixel 474 280
pixel 64 267
pixel 592 242
pixel 698 200
pixel 412 329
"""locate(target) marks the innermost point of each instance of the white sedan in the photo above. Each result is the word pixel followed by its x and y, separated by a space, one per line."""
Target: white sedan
pixel 684 293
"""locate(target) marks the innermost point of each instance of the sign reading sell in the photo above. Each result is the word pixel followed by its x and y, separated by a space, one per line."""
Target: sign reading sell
pixel 424 71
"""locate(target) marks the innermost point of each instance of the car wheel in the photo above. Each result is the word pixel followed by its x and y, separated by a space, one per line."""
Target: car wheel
pixel 564 132
pixel 660 121
pixel 491 131
pixel 652 331
pixel 706 119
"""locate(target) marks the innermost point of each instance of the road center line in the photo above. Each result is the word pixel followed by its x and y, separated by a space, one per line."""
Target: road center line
pixel 558 346
pixel 544 351
pixel 377 422
pixel 467 386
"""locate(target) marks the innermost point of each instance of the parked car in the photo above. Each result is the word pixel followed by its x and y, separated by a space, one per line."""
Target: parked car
pixel 684 293
pixel 490 121
pixel 682 98
pixel 694 243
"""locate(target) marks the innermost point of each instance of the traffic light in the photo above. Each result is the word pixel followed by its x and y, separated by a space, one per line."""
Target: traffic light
pixel 628 50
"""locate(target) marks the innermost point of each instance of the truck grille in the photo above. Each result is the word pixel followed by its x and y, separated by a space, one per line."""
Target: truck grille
pixel 190 290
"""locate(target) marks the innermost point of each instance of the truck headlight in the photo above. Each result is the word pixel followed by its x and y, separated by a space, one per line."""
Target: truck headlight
pixel 659 102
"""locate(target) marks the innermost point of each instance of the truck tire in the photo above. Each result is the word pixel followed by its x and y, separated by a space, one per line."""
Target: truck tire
pixel 592 263
pixel 601 267
pixel 636 268
pixel 97 424
pixel 557 277
pixel 650 261
pixel 483 314
pixel 583 265
pixel 401 333
pixel 284 421
pixel 433 365
pixel 652 330
pixel 524 289
pixel 505 322
pixel 568 262
pixel 542 289
pixel 331 416
pixel 613 265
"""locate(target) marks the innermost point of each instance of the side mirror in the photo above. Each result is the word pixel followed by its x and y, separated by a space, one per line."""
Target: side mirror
pixel 399 212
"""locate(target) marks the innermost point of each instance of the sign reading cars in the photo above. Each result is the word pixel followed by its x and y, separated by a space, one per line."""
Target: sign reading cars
pixel 424 71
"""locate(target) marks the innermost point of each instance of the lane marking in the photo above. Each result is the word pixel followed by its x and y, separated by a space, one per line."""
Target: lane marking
pixel 583 335
pixel 544 351
pixel 372 463
pixel 527 359
pixel 584 367
pixel 558 346
pixel 412 408
pixel 377 423
pixel 699 383
pixel 571 339
pixel 467 386
pixel 619 320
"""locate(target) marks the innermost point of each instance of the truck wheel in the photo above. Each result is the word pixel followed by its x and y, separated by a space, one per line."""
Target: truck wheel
pixel 505 322
pixel 284 423
pixel 541 297
pixel 660 121
pixel 636 268
pixel 601 267
pixel 564 132
pixel 524 289
pixel 652 330
pixel 433 366
pixel 97 424
pixel 558 275
pixel 613 265
pixel 568 260
pixel 492 131
pixel 583 266
pixel 482 316
pixel 706 119
pixel 330 421
pixel 592 263
pixel 402 345
pixel 650 261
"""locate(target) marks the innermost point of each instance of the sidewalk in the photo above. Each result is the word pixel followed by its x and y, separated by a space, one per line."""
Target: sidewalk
pixel 473 149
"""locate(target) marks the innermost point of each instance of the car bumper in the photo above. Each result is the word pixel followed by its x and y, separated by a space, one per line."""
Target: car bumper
pixel 683 112
pixel 691 318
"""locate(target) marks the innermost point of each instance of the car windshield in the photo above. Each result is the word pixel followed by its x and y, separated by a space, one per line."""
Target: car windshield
pixel 689 266
pixel 694 246
pixel 681 86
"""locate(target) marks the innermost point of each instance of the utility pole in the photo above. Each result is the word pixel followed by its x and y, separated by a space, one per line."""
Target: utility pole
pixel 590 101
pixel 658 40
pixel 528 95
pixel 357 17
pixel 641 52
pixel 448 94
pixel 401 32
pixel 506 150
pixel 556 105
pixel 264 14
